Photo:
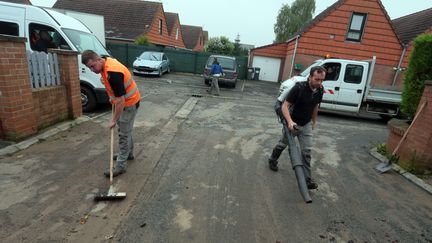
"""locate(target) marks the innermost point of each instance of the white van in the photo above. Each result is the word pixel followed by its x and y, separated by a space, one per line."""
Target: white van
pixel 64 32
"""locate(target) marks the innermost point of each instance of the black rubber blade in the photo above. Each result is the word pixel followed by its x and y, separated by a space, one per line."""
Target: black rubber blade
pixel 110 196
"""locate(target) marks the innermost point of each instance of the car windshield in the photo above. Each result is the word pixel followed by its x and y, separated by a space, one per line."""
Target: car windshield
pixel 226 63
pixel 85 41
pixel 306 72
pixel 152 56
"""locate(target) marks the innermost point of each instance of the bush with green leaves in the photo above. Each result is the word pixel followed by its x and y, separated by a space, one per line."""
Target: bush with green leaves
pixel 419 70
pixel 220 45
pixel 142 40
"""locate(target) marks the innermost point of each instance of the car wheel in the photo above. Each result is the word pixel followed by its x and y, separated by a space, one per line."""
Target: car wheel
pixel 233 84
pixel 207 82
pixel 160 72
pixel 169 69
pixel 88 99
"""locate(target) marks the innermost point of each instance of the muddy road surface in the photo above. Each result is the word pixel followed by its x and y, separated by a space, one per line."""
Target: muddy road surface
pixel 200 174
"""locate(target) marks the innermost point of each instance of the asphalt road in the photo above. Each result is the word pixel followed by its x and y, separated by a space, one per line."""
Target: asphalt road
pixel 201 175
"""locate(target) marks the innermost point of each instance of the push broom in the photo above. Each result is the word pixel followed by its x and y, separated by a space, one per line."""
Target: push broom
pixel 111 194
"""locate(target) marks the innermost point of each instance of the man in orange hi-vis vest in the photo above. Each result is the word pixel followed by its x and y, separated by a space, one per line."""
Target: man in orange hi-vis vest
pixel 124 96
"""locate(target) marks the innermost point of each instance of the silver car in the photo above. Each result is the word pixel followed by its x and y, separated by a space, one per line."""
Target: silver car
pixel 151 62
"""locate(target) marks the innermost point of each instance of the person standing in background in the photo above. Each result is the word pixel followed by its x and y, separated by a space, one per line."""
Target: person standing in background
pixel 215 72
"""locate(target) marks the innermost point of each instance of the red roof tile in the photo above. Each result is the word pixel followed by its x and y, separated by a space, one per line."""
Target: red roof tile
pixel 125 19
pixel 410 26
pixel 170 20
pixel 191 35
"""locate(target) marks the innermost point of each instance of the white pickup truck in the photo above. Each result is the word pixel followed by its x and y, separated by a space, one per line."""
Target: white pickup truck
pixel 348 88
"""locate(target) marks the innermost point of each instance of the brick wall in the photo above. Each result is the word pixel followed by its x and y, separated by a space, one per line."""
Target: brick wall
pixel 50 105
pixel 328 36
pixel 17 115
pixel 68 65
pixel 418 142
pixel 22 110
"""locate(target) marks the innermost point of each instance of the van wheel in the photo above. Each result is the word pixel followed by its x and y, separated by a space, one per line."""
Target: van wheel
pixel 88 99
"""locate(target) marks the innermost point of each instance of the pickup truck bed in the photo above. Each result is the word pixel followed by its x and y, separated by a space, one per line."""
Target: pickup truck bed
pixel 384 94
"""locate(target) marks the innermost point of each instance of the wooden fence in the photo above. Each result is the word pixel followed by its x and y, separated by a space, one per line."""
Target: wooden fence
pixel 43 69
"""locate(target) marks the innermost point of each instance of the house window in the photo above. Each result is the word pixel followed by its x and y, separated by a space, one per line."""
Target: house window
pixel 177 33
pixel 356 27
pixel 160 26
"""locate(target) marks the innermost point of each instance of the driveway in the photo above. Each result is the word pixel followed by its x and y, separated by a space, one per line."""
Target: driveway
pixel 200 174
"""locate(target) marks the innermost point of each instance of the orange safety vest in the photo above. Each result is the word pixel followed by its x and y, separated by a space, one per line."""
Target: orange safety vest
pixel 132 95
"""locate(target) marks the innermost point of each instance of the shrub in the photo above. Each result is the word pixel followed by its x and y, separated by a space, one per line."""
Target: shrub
pixel 381 149
pixel 142 40
pixel 419 70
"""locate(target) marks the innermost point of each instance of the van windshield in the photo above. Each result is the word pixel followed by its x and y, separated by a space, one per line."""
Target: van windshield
pixel 85 41
pixel 306 72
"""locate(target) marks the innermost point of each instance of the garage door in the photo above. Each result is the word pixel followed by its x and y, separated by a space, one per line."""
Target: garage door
pixel 270 67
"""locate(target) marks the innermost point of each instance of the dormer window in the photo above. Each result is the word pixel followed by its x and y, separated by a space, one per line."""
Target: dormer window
pixel 356 27
pixel 177 33
pixel 160 26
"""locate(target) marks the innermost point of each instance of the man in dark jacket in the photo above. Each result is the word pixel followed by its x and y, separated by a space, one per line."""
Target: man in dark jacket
pixel 300 111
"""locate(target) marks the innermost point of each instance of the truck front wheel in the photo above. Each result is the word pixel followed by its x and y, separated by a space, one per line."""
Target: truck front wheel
pixel 88 99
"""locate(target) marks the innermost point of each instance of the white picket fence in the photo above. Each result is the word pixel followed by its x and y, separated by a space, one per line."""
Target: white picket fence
pixel 43 69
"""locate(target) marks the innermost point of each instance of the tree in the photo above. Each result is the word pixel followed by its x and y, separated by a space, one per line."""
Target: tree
pixel 419 70
pixel 220 45
pixel 291 19
pixel 142 40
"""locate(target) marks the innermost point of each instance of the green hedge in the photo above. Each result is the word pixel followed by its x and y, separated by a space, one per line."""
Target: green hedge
pixel 419 70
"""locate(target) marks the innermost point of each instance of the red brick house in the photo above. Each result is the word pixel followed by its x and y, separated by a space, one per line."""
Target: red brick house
pixel 174 29
pixel 350 29
pixel 410 26
pixel 194 37
pixel 125 20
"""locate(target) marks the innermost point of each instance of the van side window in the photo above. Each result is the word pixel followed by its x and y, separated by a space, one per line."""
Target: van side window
pixel 353 74
pixel 332 71
pixel 7 28
pixel 43 37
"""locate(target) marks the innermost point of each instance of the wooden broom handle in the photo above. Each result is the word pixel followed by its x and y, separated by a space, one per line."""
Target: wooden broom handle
pixel 112 149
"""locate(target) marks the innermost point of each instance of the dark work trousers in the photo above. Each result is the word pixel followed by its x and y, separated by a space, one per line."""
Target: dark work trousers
pixel 125 127
pixel 304 136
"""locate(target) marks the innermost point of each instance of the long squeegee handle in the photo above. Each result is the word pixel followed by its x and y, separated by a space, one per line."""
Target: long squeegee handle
pixel 112 149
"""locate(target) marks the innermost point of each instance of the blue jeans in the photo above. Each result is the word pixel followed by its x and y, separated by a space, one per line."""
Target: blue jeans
pixel 125 127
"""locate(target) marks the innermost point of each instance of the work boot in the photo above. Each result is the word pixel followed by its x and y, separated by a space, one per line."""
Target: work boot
pixel 130 157
pixel 273 165
pixel 116 172
pixel 311 184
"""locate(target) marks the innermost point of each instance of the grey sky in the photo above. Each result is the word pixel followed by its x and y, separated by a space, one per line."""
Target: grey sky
pixel 254 20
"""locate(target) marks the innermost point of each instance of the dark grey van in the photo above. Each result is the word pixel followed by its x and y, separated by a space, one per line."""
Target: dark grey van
pixel 229 66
